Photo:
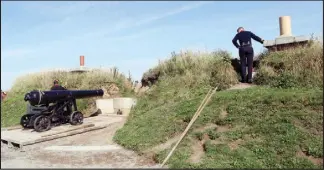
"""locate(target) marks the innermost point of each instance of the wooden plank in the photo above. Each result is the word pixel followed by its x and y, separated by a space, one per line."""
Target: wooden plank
pixel 11 128
pixel 78 131
pixel 12 144
pixel 19 126
pixel 70 129
pixel 27 137
pixel 10 141
pixel 31 141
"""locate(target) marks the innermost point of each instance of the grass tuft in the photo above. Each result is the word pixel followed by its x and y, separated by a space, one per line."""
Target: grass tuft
pixel 301 67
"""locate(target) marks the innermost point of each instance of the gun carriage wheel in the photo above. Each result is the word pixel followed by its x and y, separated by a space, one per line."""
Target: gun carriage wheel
pixel 76 118
pixel 25 120
pixel 42 123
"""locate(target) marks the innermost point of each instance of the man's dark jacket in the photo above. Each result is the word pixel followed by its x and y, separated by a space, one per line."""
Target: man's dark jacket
pixel 57 87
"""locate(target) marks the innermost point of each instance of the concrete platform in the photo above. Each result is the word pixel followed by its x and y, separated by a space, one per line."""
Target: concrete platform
pixel 113 105
pixel 286 40
pixel 19 137
pixel 80 69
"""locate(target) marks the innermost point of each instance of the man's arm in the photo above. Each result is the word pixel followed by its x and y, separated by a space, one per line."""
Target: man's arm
pixel 234 41
pixel 256 38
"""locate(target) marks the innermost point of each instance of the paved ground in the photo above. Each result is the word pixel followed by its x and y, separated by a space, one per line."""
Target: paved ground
pixel 36 156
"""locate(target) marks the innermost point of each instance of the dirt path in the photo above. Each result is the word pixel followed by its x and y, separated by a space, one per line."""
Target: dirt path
pixel 241 86
pixel 36 156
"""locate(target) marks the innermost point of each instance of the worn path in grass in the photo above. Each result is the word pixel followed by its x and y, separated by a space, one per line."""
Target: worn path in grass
pixel 198 148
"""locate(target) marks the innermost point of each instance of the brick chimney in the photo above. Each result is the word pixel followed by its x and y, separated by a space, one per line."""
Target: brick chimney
pixel 81 61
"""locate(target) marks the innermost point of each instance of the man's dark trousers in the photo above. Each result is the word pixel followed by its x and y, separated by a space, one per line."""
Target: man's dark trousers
pixel 246 55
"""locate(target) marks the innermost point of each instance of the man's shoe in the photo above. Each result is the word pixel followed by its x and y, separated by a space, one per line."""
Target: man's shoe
pixel 249 81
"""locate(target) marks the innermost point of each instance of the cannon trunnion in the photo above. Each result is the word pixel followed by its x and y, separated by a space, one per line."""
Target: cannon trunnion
pixel 53 108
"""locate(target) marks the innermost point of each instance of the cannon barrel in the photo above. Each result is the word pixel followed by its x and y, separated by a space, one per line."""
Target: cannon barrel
pixel 45 97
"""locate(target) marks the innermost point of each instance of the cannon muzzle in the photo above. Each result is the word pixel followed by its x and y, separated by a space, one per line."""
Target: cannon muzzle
pixel 45 97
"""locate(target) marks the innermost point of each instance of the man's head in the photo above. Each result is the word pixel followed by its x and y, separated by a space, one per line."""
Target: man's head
pixel 2 92
pixel 3 95
pixel 240 29
pixel 56 82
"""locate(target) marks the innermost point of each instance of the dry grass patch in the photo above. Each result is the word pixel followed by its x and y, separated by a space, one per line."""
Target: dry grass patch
pixel 301 67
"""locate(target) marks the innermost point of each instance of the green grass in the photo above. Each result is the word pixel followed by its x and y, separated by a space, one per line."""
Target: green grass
pixel 275 122
pixel 14 106
pixel 283 121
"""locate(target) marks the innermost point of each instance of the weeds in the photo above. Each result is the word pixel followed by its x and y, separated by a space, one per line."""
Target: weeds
pixel 301 67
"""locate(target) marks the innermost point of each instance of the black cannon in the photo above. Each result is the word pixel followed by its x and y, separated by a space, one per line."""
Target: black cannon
pixel 53 108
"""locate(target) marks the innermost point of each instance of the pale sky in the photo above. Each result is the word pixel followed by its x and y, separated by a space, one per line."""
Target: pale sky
pixel 132 36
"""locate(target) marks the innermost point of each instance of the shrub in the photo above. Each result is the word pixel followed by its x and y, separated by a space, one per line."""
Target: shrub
pixel 299 67
pixel 192 69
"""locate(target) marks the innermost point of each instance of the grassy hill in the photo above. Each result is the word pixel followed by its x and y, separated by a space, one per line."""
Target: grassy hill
pixel 14 106
pixel 278 124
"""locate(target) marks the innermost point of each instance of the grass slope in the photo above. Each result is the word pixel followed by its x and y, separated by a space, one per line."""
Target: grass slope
pixel 276 125
pixel 14 106
pixel 301 67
